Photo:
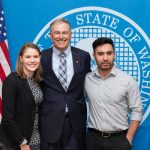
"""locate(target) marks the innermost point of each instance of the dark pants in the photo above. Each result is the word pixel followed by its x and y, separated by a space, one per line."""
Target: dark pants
pixel 67 140
pixel 116 142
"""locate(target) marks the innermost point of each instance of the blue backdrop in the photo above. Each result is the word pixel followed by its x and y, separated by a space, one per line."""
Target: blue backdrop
pixel 125 21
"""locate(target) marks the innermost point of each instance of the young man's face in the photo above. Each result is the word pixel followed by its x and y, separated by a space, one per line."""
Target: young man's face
pixel 104 56
pixel 61 35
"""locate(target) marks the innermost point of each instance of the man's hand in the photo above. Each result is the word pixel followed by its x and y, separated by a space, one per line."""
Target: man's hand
pixel 24 147
pixel 132 129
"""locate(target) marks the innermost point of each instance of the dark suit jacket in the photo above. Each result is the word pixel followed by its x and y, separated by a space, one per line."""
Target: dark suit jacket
pixel 18 111
pixel 55 98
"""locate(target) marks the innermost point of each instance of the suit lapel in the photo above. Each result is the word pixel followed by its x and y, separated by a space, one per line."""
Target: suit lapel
pixel 76 65
pixel 76 61
pixel 51 73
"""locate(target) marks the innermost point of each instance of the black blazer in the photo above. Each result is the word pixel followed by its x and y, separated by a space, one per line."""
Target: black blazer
pixel 55 98
pixel 17 112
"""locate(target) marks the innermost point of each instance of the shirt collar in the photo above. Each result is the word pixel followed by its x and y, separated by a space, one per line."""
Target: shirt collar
pixel 112 73
pixel 66 51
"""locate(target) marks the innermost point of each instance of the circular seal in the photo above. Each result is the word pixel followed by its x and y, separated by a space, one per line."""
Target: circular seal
pixel 132 45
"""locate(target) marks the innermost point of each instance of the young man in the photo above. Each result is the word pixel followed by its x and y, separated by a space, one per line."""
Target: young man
pixel 112 96
pixel 63 112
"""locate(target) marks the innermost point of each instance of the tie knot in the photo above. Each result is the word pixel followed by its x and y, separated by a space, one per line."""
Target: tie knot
pixel 62 54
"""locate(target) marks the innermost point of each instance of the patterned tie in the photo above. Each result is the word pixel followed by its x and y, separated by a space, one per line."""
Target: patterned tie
pixel 62 71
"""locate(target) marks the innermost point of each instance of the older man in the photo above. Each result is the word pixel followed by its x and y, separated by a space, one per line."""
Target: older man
pixel 63 112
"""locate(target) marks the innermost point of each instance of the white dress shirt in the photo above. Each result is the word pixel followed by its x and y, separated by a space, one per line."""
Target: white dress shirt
pixel 112 99
pixel 69 60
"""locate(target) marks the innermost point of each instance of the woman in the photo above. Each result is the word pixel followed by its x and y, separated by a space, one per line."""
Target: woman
pixel 22 95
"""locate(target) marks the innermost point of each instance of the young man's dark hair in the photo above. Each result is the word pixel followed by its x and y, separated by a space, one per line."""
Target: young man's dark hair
pixel 102 41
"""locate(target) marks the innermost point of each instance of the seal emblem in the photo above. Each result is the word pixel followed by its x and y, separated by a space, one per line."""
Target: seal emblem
pixel 132 45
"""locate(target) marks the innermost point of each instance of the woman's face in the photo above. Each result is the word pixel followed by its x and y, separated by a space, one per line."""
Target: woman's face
pixel 30 61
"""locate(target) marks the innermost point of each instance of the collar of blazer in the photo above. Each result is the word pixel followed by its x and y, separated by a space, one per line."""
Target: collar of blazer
pixel 25 85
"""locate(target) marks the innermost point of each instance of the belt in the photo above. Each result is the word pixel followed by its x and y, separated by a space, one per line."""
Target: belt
pixel 107 134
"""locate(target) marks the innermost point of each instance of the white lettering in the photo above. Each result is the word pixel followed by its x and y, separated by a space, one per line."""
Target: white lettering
pixel 146 84
pixel 106 17
pixel 40 46
pixel 128 32
pixel 46 36
pixel 114 23
pixel 144 53
pixel 145 64
pixel 79 19
pixel 146 74
pixel 96 19
pixel 135 38
pixel 88 15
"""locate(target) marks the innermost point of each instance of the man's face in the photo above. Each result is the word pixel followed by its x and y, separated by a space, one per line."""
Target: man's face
pixel 104 57
pixel 61 35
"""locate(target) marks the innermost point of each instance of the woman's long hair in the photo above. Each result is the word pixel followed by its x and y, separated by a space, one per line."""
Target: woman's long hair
pixel 19 66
